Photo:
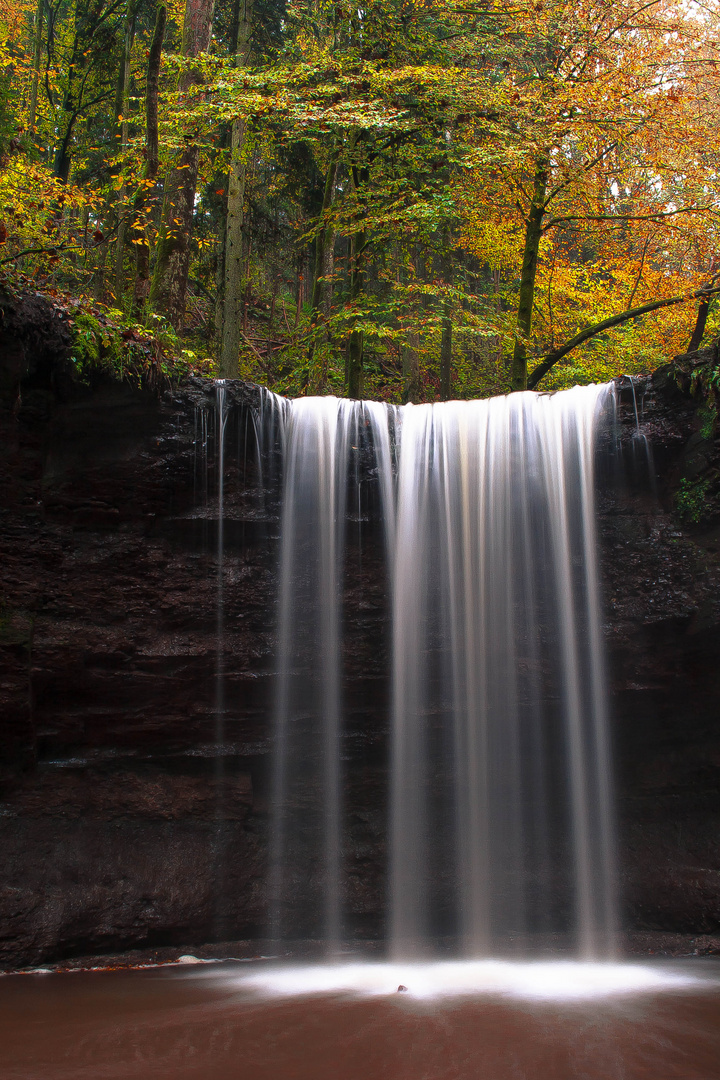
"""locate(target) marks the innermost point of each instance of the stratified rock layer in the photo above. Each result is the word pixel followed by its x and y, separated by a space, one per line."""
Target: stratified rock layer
pixel 135 783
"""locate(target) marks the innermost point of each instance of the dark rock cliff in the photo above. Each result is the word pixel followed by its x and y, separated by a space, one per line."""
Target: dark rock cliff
pixel 661 573
pixel 134 800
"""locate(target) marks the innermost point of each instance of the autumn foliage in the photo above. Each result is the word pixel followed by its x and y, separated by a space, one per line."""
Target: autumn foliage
pixel 400 199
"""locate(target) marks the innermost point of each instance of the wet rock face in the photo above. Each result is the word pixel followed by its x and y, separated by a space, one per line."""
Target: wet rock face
pixel 134 808
pixel 662 593
pixel 119 822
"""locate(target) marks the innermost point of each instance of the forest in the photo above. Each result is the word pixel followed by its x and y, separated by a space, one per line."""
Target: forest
pixel 408 200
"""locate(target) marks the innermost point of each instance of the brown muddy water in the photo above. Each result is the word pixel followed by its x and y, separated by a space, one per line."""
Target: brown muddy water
pixel 453 1022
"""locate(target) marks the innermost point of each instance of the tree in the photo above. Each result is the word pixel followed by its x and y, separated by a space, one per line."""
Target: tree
pixel 121 112
pixel 320 300
pixel 169 284
pixel 231 294
pixel 88 54
pixel 147 185
pixel 394 198
pixel 607 138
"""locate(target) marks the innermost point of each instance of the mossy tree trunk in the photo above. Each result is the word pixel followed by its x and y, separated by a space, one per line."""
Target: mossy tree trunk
pixel 411 369
pixel 121 117
pixel 169 284
pixel 324 262
pixel 356 342
pixel 145 193
pixel 446 341
pixel 446 354
pixel 230 300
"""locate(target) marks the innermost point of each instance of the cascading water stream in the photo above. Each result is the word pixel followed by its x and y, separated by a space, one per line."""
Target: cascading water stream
pixel 317 440
pixel 500 823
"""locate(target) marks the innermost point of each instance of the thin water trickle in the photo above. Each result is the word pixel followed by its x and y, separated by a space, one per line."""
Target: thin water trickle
pixel 222 415
pixel 221 420
pixel 642 464
pixel 500 821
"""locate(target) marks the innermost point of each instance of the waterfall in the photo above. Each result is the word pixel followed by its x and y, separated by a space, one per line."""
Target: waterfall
pixel 500 818
pixel 317 441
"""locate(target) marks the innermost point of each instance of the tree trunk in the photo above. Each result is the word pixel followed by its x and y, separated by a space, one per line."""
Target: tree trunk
pixel 411 369
pixel 122 112
pixel 169 285
pixel 355 364
pixel 72 99
pixel 354 367
pixel 298 291
pixel 328 270
pixel 354 359
pixel 144 195
pixel 533 235
pixel 324 243
pixel 63 158
pixel 446 354
pixel 231 299
pixel 100 256
pixel 37 49
pixel 447 326
pixel 246 290
pixel 324 259
pixel 700 323
pixel 232 275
